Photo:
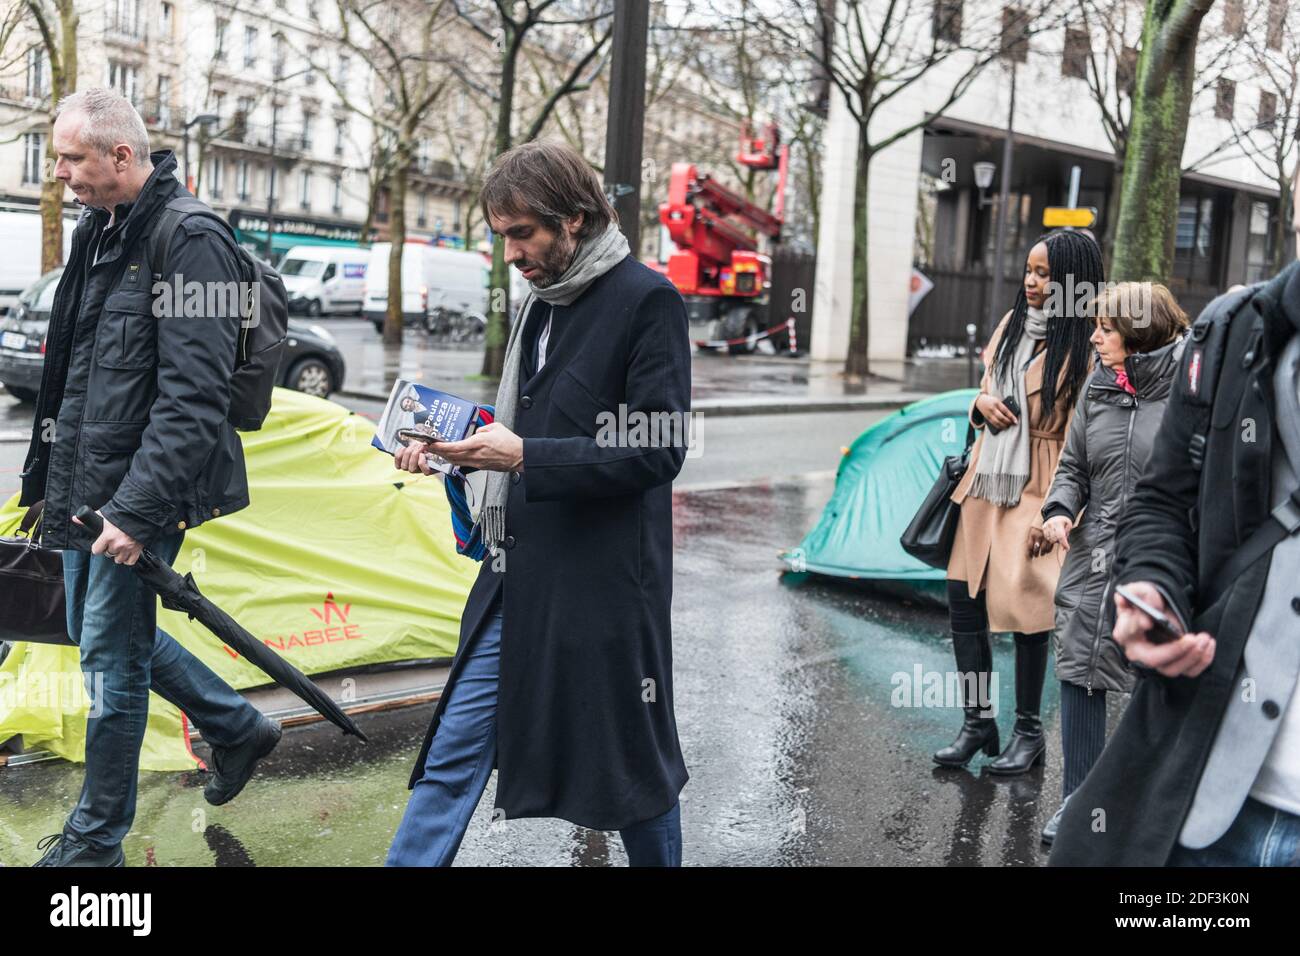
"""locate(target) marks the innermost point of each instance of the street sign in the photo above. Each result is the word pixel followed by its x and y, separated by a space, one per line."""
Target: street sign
pixel 1080 217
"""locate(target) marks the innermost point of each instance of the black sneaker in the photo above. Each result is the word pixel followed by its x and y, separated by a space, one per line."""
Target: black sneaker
pixel 68 849
pixel 233 766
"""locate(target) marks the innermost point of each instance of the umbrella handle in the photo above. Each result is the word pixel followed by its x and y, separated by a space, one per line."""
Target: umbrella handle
pixel 91 519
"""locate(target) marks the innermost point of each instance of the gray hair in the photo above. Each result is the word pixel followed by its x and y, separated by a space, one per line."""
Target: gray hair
pixel 111 121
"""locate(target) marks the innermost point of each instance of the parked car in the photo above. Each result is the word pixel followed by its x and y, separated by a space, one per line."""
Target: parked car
pixel 325 280
pixel 312 362
pixel 436 283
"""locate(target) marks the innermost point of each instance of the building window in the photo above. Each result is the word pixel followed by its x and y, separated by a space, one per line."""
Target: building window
pixel 308 125
pixel 241 180
pixel 124 18
pixel 124 78
pixel 164 101
pixel 250 46
pixel 304 189
pixel 271 183
pixel 1015 34
pixel 216 177
pixel 336 199
pixel 947 21
pixel 1078 50
pixel 1267 116
pixel 166 21
pixel 1225 97
pixel 423 162
pixel 217 105
pixel 223 27
pixel 33 158
pixel 422 211
pixel 1276 23
pixel 1193 239
pixel 340 135
pixel 313 54
pixel 279 56
pixel 37 75
pixel 345 66
pixel 1234 18
pixel 1259 243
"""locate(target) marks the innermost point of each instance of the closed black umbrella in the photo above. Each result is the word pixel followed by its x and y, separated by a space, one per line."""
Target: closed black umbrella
pixel 182 594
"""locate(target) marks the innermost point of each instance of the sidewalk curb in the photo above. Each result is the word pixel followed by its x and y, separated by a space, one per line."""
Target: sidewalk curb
pixel 734 407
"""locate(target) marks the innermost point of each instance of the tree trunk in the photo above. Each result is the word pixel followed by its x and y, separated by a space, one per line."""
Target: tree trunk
pixel 498 325
pixel 1153 166
pixel 856 364
pixel 397 237
pixel 63 80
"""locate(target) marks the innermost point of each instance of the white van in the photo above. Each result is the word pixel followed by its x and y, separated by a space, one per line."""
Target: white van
pixel 324 280
pixel 20 251
pixel 434 279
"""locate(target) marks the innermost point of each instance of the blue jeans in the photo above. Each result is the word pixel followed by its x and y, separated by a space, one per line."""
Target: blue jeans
pixel 460 761
pixel 1260 836
pixel 112 617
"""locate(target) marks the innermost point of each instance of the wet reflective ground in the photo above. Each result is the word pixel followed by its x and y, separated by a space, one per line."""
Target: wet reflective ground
pixel 783 695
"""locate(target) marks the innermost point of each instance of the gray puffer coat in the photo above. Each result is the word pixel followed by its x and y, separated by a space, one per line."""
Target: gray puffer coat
pixel 1106 451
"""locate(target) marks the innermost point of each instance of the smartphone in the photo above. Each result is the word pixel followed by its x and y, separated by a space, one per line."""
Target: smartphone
pixel 1165 630
pixel 417 435
pixel 1012 406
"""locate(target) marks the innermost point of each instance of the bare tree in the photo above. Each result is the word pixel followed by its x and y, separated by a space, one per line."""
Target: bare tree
pixel 507 26
pixel 405 55
pixel 1271 50
pixel 872 52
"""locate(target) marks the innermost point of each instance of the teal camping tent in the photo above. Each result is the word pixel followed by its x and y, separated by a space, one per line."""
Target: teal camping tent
pixel 882 480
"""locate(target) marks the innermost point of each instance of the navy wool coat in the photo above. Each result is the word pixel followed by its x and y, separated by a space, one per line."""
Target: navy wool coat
pixel 585 724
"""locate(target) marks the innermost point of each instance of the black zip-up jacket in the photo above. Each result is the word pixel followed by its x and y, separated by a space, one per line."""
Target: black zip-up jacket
pixel 1105 452
pixel 131 416
pixel 1182 524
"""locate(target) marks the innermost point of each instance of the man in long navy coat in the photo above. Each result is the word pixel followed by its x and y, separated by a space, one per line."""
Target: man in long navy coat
pixel 563 676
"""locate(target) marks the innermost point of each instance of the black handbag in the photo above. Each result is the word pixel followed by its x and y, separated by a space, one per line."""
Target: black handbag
pixel 929 537
pixel 32 600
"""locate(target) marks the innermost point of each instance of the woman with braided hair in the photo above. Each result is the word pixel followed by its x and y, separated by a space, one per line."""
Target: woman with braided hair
pixel 1001 576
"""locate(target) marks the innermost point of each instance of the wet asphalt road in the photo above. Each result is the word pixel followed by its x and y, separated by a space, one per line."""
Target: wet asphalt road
pixel 796 753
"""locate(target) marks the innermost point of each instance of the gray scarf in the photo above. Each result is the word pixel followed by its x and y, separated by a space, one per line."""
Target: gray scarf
pixel 592 259
pixel 1003 467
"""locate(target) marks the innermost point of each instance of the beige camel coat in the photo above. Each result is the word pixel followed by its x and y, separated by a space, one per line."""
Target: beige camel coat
pixel 989 551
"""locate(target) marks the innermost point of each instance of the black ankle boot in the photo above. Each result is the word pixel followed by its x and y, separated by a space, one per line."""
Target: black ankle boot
pixel 1027 746
pixel 978 731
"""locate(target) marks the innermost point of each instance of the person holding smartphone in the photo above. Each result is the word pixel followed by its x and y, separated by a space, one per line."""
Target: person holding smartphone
pixel 1139 340
pixel 1204 768
pixel 999 575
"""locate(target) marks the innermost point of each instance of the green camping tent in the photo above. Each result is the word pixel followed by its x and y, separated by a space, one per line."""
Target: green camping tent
pixel 340 561
pixel 882 480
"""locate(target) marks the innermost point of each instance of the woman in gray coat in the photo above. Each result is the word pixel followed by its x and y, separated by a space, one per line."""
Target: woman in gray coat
pixel 1139 341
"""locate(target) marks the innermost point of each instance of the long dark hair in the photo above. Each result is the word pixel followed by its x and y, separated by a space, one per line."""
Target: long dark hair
pixel 1069 253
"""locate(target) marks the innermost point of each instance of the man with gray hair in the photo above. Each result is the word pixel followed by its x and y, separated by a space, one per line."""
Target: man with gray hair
pixel 139 404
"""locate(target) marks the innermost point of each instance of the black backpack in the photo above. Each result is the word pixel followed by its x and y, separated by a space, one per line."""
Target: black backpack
pixel 264 327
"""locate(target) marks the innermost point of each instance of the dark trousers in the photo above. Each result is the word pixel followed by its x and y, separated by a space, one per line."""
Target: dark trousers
pixel 1083 732
pixel 112 617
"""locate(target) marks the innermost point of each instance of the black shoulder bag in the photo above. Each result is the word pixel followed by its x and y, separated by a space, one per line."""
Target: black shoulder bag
pixel 929 537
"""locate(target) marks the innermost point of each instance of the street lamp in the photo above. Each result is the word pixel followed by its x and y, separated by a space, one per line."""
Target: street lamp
pixel 204 120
